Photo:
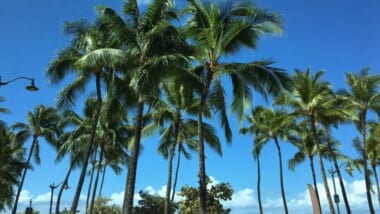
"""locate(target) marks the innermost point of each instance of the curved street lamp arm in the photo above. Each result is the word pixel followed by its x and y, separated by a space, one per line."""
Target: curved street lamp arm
pixel 12 80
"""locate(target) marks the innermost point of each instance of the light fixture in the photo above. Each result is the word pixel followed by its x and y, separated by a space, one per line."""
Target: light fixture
pixel 31 87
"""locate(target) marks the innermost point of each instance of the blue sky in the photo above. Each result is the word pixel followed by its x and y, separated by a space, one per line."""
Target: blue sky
pixel 335 36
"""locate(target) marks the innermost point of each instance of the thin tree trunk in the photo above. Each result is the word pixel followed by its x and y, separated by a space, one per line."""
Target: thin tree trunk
pixel 63 186
pixel 314 180
pixel 281 176
pixel 132 166
pixel 93 161
pixel 102 182
pixel 363 117
pixel 377 181
pixel 14 210
pixel 337 169
pixel 167 208
pixel 176 172
pixel 169 181
pixel 96 179
pixel 82 176
pixel 259 184
pixel 321 165
pixel 201 149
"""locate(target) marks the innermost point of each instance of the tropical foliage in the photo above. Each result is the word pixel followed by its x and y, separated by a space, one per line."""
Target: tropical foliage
pixel 151 71
pixel 216 194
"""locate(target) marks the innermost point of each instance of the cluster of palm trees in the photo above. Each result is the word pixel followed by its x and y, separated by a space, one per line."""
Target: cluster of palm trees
pixel 304 116
pixel 158 69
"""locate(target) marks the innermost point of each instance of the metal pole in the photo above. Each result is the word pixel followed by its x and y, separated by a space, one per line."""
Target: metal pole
pixel 52 187
pixel 336 196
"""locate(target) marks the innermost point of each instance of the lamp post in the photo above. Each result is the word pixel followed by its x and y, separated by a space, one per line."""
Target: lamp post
pixel 30 87
pixel 336 196
pixel 52 188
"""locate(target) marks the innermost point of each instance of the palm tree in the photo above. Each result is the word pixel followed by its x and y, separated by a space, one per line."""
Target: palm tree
pixel 171 110
pixel 306 149
pixel 309 100
pixel 257 146
pixel 364 95
pixel 337 168
pixel 153 44
pixel 76 151
pixel 42 122
pixel 373 151
pixel 176 130
pixel 187 133
pixel 90 55
pixel 12 164
pixel 217 31
pixel 337 111
pixel 272 125
pixel 112 137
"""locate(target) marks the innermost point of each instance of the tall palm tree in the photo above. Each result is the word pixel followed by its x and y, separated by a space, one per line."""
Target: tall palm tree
pixel 338 111
pixel 309 99
pixel 153 44
pixel 364 95
pixel 171 110
pixel 12 164
pixel 90 56
pixel 257 146
pixel 337 167
pixel 177 129
pixel 112 138
pixel 217 31
pixel 373 151
pixel 75 150
pixel 42 122
pixel 272 125
pixel 306 149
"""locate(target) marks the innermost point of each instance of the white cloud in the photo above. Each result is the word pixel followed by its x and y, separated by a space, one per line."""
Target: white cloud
pixel 25 196
pixel 117 198
pixel 242 198
pixel 42 198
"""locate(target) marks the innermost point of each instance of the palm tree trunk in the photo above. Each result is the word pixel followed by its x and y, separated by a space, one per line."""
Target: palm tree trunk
pixel 93 161
pixel 96 179
pixel 102 182
pixel 281 176
pixel 176 172
pixel 259 184
pixel 363 120
pixel 167 208
pixel 311 160
pixel 14 210
pixel 63 186
pixel 337 169
pixel 201 149
pixel 377 181
pixel 132 166
pixel 321 165
pixel 78 191
pixel 169 182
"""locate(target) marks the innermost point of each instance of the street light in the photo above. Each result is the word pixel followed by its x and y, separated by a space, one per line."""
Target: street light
pixel 30 87
pixel 336 196
pixel 52 187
